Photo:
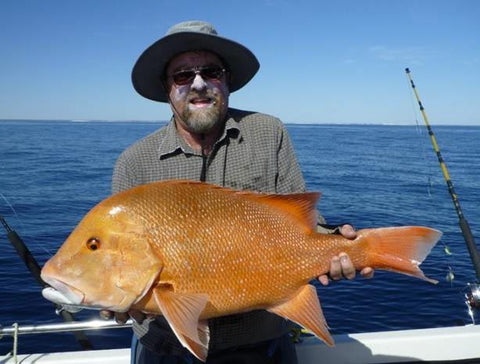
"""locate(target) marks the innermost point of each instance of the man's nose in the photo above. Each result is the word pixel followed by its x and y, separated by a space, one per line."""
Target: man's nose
pixel 198 83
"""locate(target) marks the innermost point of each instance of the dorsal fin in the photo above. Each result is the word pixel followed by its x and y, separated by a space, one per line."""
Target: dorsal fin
pixel 300 206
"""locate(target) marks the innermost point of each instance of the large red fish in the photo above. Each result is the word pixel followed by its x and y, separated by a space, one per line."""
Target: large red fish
pixel 192 251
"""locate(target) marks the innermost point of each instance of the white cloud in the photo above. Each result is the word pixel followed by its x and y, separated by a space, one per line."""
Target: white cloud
pixel 414 55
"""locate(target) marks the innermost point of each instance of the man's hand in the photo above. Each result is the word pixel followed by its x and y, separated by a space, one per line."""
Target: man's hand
pixel 122 317
pixel 341 266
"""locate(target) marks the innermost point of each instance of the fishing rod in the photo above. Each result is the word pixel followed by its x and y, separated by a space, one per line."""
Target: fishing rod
pixel 35 270
pixel 473 298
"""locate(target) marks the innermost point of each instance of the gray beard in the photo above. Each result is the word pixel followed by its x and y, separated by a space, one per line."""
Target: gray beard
pixel 202 121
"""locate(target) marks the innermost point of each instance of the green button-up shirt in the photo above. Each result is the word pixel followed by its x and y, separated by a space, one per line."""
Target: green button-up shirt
pixel 254 153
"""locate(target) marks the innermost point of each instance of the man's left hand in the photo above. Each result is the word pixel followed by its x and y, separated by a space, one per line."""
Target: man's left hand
pixel 341 266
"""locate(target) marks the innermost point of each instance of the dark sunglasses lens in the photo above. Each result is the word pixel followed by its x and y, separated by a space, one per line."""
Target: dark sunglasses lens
pixel 183 77
pixel 212 73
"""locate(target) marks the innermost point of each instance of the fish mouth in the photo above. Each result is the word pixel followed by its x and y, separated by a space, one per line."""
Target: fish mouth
pixel 62 293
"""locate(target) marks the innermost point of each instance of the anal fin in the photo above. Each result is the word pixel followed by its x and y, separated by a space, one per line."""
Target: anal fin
pixel 182 312
pixel 304 309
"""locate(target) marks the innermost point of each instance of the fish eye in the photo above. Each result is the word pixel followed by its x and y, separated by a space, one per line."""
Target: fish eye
pixel 93 244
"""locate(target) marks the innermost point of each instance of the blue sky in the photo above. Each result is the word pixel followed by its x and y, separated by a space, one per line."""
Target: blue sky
pixel 321 61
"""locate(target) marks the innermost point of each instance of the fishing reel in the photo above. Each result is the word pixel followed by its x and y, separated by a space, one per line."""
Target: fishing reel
pixel 472 299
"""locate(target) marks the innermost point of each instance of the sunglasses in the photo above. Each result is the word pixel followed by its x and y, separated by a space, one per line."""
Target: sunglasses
pixel 185 77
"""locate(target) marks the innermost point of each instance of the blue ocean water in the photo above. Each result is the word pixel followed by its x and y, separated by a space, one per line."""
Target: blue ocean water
pixel 53 172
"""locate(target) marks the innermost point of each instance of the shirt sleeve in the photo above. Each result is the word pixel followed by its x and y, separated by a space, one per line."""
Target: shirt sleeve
pixel 123 176
pixel 289 175
pixel 290 178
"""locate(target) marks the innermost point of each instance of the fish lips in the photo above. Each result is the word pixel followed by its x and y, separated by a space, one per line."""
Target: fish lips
pixel 62 293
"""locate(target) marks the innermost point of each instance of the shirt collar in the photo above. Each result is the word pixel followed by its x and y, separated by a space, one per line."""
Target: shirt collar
pixel 173 143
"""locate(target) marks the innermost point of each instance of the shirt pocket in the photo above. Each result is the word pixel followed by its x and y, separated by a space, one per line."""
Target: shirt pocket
pixel 254 174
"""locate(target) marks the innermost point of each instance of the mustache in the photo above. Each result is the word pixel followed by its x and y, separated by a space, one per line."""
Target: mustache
pixel 208 94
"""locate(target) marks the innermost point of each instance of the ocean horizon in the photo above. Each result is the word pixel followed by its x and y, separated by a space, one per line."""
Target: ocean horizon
pixel 407 123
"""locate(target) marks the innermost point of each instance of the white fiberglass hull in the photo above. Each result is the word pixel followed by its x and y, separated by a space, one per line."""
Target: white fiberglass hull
pixel 451 344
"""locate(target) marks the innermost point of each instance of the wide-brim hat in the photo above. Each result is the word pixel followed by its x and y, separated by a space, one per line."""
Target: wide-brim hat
pixel 191 36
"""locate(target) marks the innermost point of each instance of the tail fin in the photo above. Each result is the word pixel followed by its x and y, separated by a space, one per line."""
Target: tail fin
pixel 400 249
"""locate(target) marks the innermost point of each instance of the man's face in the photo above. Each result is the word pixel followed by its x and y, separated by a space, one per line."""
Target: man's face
pixel 200 104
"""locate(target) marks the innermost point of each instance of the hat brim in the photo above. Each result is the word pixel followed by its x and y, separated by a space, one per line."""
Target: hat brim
pixel 148 70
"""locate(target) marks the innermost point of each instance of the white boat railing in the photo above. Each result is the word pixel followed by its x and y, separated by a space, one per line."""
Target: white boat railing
pixel 15 330
pixel 62 327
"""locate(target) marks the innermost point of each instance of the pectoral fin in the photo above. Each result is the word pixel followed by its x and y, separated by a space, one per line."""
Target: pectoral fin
pixel 182 312
pixel 304 309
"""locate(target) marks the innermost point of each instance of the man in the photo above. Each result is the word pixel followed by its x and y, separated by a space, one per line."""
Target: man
pixel 194 70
